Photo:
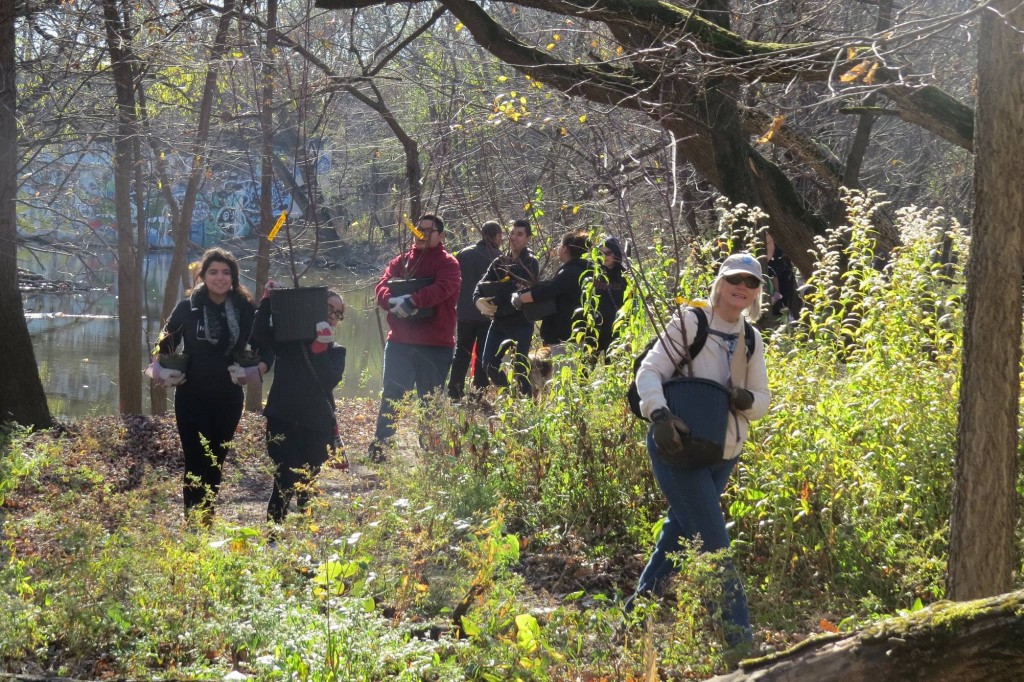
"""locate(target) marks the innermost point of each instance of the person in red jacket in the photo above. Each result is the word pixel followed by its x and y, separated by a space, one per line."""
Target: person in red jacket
pixel 418 353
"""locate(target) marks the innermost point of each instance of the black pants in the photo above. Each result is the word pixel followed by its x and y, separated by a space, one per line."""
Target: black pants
pixel 467 334
pixel 297 454
pixel 212 419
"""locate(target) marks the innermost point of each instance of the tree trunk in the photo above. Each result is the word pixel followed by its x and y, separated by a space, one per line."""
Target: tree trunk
pixel 21 392
pixel 982 554
pixel 200 156
pixel 947 642
pixel 129 288
pixel 254 394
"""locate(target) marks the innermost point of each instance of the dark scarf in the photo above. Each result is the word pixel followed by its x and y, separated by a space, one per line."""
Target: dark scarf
pixel 214 332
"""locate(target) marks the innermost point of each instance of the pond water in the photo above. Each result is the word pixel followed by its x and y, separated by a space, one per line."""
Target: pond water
pixel 75 334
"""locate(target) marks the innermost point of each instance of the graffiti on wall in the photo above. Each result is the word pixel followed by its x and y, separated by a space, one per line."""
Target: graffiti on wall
pixel 75 196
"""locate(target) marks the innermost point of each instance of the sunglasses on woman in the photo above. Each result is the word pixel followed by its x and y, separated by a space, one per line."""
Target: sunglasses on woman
pixel 750 281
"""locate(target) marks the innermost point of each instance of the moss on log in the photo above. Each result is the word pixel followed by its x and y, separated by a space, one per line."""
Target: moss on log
pixel 946 642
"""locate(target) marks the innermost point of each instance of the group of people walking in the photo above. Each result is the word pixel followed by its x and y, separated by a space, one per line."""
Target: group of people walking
pixel 443 311
pixel 227 343
pixel 471 308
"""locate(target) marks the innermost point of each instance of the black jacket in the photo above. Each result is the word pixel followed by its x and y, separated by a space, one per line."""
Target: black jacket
pixel 473 262
pixel 520 272
pixel 610 289
pixel 304 381
pixel 567 291
pixel 208 362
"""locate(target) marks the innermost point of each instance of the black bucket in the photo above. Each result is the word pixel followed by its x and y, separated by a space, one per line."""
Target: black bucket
pixel 296 312
pixel 401 287
pixel 704 406
pixel 538 310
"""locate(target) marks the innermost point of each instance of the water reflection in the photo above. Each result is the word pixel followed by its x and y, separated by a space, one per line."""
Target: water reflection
pixel 75 334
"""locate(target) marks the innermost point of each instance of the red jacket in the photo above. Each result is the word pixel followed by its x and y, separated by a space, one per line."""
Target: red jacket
pixel 442 295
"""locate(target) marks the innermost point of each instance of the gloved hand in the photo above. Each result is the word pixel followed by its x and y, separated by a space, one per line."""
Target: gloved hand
pixel 517 302
pixel 402 305
pixel 486 306
pixel 669 431
pixel 741 398
pixel 243 376
pixel 173 377
pixel 162 376
pixel 324 337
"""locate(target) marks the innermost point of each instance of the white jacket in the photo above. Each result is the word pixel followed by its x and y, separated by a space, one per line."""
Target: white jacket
pixel 711 363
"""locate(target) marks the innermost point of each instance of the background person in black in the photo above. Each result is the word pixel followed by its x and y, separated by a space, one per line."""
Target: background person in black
pixel 214 323
pixel 564 288
pixel 471 328
pixel 517 269
pixel 301 425
pixel 610 289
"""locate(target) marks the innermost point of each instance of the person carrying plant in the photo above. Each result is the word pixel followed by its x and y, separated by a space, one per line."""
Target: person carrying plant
pixel 565 289
pixel 418 352
pixel 301 424
pixel 213 325
pixel 507 274
pixel 471 328
pixel 692 477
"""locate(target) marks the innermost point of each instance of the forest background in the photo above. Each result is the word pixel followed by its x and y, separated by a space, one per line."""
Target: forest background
pixel 864 491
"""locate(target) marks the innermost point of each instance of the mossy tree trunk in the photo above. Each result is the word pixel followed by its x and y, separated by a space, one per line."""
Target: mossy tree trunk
pixel 982 554
pixel 948 642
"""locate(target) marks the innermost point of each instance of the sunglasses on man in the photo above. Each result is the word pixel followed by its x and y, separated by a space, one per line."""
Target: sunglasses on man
pixel 749 281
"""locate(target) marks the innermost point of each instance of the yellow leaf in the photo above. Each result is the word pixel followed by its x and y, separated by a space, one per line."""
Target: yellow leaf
pixel 527 205
pixel 851 52
pixel 557 37
pixel 827 626
pixel 277 226
pixel 855 73
pixel 575 210
pixel 459 26
pixel 513 94
pixel 870 78
pixel 502 79
pixel 775 127
pixel 563 132
pixel 522 100
pixel 551 46
pixel 594 44
pixel 583 118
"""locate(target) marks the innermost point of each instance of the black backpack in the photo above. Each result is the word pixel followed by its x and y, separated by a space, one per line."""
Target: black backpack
pixel 633 396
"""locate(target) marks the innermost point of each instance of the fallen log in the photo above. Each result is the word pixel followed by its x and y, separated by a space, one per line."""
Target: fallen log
pixel 946 642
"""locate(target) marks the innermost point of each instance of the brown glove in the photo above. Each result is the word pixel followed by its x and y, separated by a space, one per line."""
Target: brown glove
pixel 741 399
pixel 669 431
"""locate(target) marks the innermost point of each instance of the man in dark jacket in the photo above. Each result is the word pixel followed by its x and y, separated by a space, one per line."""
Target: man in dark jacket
pixel 565 289
pixel 419 347
pixel 471 329
pixel 507 274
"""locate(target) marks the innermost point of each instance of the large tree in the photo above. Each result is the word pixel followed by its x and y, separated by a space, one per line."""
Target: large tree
pixel 982 555
pixel 684 68
pixel 21 392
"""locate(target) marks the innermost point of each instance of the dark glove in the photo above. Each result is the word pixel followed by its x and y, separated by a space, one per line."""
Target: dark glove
pixel 669 431
pixel 741 399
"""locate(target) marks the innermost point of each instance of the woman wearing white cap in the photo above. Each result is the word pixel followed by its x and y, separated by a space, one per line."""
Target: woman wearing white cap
pixel 693 489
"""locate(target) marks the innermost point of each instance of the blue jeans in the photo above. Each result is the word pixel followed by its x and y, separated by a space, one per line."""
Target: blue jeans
pixel 408 366
pixel 694 508
pixel 519 331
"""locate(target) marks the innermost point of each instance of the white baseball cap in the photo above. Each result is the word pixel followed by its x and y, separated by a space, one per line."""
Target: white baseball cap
pixel 741 263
